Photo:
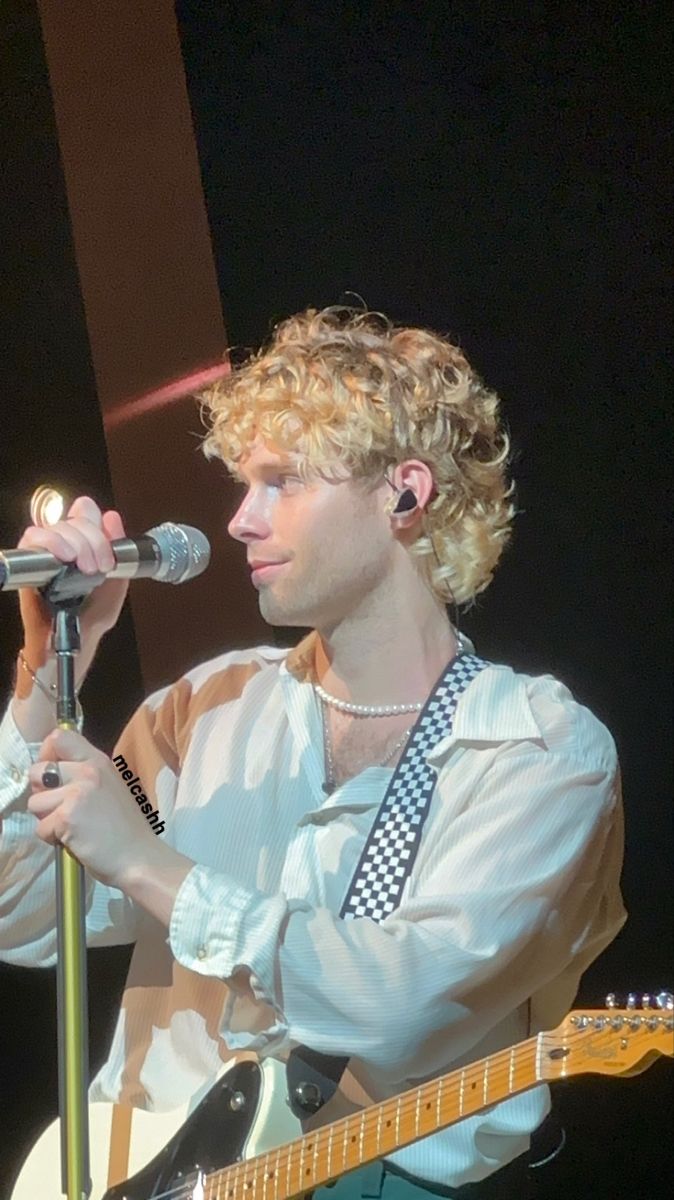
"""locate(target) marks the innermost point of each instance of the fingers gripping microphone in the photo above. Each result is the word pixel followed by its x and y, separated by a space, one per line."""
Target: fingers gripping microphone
pixel 168 553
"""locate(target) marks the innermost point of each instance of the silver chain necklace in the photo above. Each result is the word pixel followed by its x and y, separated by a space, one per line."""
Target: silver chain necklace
pixel 330 782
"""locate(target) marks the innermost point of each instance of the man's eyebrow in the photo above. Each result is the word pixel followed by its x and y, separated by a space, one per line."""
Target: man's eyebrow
pixel 267 464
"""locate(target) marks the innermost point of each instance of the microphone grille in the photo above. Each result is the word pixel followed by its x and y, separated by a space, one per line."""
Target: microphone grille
pixel 183 550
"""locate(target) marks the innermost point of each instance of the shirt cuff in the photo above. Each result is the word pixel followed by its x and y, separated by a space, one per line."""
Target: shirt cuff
pixel 218 928
pixel 16 756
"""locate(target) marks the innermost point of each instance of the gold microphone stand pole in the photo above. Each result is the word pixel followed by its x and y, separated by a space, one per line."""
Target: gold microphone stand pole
pixel 73 1032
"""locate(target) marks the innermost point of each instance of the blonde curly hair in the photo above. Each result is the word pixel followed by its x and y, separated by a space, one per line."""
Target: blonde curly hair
pixel 354 395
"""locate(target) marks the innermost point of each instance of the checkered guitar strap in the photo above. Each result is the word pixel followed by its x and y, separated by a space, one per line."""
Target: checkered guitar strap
pixel 387 860
pixel 392 846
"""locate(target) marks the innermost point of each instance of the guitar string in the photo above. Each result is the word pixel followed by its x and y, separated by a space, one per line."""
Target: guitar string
pixel 403 1109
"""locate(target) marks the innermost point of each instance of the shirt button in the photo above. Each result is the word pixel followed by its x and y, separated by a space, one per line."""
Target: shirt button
pixel 16 774
pixel 202 952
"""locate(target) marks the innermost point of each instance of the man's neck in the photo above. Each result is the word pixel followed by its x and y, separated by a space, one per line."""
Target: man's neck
pixel 386 658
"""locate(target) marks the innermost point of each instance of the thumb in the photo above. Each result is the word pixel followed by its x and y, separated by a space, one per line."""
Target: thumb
pixel 113 525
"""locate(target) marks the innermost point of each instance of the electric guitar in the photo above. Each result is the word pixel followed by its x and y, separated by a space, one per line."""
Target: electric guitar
pixel 243 1143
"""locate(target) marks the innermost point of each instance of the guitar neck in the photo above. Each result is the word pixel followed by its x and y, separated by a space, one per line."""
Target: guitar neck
pixel 306 1163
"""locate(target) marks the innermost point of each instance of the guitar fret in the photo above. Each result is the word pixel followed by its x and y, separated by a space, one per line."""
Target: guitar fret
pixel 485 1083
pixel 246 1180
pixel 317 1146
pixel 511 1070
pixel 301 1171
pixel 330 1132
pixel 437 1102
pixel 463 1079
pixel 276 1172
pixel 416 1111
pixel 235 1179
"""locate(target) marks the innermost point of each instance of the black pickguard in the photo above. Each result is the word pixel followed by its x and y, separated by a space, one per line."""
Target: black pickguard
pixel 213 1137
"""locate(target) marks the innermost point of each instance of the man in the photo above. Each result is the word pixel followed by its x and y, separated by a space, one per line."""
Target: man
pixel 373 465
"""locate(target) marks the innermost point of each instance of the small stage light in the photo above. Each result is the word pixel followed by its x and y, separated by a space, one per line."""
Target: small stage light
pixel 46 506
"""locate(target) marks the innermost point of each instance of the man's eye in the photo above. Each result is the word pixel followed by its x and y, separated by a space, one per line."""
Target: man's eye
pixel 284 481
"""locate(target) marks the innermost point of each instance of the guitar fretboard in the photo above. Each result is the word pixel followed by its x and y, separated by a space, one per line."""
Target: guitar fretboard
pixel 291 1170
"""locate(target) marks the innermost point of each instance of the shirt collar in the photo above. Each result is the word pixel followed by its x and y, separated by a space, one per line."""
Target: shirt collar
pixel 494 708
pixel 300 660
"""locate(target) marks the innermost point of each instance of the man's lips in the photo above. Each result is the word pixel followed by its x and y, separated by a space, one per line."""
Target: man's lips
pixel 262 572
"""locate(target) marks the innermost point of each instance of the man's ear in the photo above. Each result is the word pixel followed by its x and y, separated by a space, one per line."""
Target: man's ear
pixel 414 487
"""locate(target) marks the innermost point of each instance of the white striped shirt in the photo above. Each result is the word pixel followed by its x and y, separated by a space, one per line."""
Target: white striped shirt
pixel 513 893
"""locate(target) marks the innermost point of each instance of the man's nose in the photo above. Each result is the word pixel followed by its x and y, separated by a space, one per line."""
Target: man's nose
pixel 250 521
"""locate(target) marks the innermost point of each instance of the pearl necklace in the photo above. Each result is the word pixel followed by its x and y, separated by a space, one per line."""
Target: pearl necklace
pixel 374 710
pixel 367 710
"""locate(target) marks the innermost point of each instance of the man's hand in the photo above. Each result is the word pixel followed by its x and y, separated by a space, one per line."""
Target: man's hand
pixel 83 538
pixel 95 817
pixel 92 812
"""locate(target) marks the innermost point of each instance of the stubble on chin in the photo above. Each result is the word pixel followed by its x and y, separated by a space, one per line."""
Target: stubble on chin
pixel 292 603
pixel 270 609
pixel 277 609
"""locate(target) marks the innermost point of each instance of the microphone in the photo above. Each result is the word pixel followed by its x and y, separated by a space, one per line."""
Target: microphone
pixel 168 553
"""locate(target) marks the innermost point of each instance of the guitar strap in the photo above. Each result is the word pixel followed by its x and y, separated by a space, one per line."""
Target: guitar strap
pixel 120 1144
pixel 387 859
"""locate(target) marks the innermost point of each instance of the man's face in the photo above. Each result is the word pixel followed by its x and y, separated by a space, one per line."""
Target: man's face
pixel 319 551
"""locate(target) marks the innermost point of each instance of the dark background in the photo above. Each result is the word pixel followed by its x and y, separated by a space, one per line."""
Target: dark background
pixel 502 175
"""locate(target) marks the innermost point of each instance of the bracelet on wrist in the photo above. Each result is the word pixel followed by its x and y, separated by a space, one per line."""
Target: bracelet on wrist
pixel 50 691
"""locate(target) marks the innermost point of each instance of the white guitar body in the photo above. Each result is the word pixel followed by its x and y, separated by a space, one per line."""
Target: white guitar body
pixel 272 1124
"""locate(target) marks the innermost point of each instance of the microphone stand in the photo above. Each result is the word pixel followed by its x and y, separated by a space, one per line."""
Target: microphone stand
pixel 173 553
pixel 72 1022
